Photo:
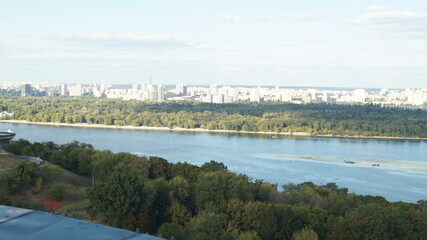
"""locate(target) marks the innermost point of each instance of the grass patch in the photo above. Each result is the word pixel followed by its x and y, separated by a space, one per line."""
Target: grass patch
pixel 8 160
pixel 74 201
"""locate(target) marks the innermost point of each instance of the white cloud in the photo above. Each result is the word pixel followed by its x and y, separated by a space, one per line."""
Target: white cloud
pixel 405 35
pixel 115 65
pixel 292 17
pixel 120 39
pixel 126 41
pixel 377 8
pixel 217 48
pixel 396 25
pixel 292 43
pixel 230 68
pixel 237 18
pixel 281 17
pixel 392 17
pixel 290 70
pixel 301 42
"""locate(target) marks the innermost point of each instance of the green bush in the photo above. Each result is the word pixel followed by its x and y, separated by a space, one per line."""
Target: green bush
pixel 56 193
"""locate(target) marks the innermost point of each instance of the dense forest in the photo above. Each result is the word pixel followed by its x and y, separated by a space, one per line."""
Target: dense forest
pixel 315 119
pixel 182 201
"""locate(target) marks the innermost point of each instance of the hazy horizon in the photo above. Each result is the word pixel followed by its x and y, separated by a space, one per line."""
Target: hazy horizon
pixel 335 44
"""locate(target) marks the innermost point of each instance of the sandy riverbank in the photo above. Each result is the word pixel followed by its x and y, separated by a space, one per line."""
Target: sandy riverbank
pixel 145 128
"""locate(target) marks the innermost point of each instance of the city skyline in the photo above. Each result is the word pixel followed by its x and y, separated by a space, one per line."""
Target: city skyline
pixel 355 44
pixel 410 97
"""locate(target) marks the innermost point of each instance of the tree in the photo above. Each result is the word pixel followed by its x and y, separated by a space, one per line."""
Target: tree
pixel 179 214
pixel 209 226
pixel 185 170
pixel 39 183
pixel 25 172
pixel 214 189
pixel 124 199
pixel 171 231
pixel 213 166
pixel 10 184
pixel 249 236
pixel 56 193
pixel 179 189
pixel 158 210
pixel 305 234
pixel 159 168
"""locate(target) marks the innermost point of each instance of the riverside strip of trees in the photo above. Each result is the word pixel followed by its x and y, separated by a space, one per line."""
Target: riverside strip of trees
pixel 182 201
pixel 315 119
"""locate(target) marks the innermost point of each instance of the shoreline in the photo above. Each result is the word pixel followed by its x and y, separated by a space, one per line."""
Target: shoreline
pixel 176 129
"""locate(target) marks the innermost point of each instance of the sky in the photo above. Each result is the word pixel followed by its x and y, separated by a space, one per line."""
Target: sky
pixel 335 43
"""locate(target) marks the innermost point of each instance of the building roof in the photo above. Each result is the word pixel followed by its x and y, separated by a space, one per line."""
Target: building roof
pixel 19 223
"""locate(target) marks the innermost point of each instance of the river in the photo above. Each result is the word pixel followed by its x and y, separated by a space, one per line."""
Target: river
pixel 395 169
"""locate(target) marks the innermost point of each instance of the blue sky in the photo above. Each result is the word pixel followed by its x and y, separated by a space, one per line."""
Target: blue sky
pixel 336 43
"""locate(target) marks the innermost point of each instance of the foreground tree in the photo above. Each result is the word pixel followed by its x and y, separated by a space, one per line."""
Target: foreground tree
pixel 124 199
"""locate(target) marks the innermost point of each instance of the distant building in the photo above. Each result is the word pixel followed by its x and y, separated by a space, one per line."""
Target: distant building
pixel 208 98
pixel 213 90
pixel 255 95
pixel 117 93
pixel 415 96
pixel 218 99
pixel 25 90
pixel 64 90
pixel 181 89
pixel 160 93
pixel 359 96
pixel 105 87
pixel 135 88
pixel 410 97
pixel 5 115
pixel 97 91
pixel 75 90
pixel 50 92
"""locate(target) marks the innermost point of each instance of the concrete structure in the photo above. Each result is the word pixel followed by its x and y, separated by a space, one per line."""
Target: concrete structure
pixel 64 90
pixel 75 90
pixel 416 96
pixel 6 115
pixel 359 96
pixel 25 90
pixel 6 136
pixel 23 224
pixel 181 89
pixel 160 93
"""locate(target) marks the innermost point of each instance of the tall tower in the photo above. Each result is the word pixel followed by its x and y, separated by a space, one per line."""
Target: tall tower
pixel 160 93
pixel 25 90
pixel 181 89
pixel 64 90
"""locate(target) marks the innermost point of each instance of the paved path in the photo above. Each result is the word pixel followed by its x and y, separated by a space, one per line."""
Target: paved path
pixel 32 159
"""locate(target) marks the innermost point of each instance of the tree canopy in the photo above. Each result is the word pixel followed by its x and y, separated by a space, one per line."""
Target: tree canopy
pixel 315 119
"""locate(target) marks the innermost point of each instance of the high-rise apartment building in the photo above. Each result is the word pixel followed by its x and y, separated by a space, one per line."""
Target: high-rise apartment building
pixel 25 90
pixel 64 90
pixel 75 90
pixel 181 89
pixel 160 93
